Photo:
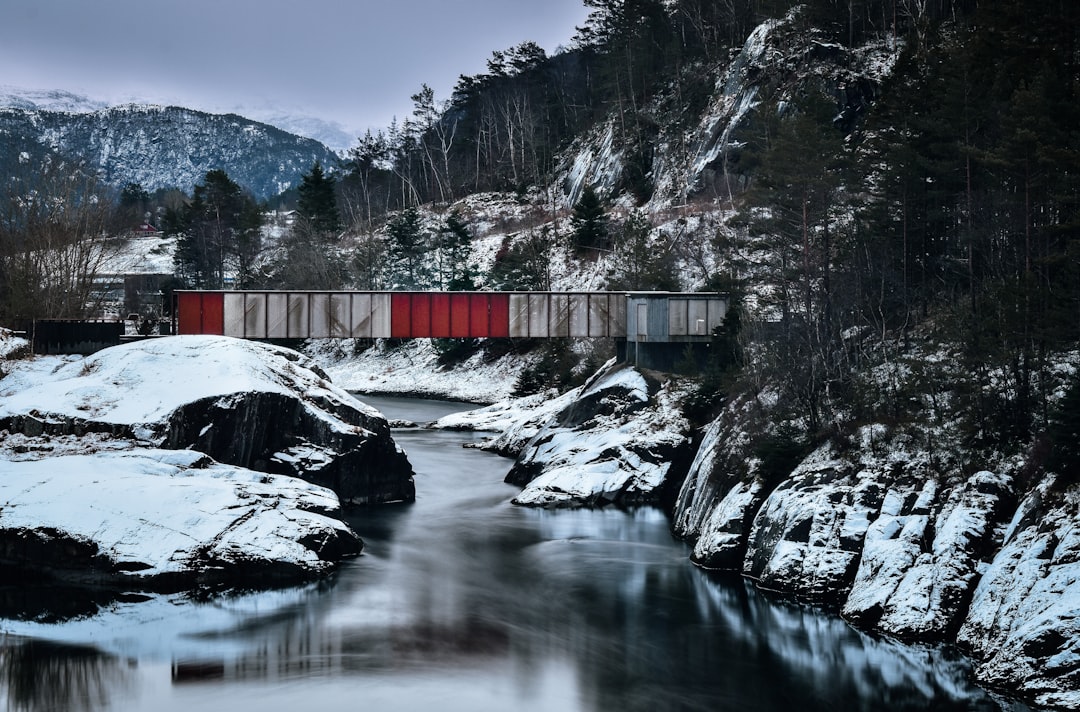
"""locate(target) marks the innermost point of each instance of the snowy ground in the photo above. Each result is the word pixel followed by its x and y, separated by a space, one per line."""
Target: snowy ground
pixel 11 345
pixel 413 369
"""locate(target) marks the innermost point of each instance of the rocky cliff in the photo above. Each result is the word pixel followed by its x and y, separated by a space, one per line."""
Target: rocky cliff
pixel 917 549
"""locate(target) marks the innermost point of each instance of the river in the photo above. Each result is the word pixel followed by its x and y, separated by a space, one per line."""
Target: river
pixel 462 601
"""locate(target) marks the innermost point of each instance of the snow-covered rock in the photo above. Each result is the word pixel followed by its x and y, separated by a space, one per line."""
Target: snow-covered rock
pixel 164 519
pixel 243 403
pixel 902 545
pixel 1022 623
pixel 721 462
pixel 722 541
pixel 807 536
pixel 11 345
pixel 613 440
pixel 922 556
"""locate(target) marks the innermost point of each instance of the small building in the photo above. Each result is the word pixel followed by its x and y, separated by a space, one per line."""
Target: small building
pixel 145 229
pixel 662 327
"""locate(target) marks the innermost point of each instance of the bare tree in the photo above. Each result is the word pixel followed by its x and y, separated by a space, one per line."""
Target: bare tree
pixel 53 242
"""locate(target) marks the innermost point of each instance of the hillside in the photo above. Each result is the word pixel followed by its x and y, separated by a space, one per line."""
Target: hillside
pixel 162 147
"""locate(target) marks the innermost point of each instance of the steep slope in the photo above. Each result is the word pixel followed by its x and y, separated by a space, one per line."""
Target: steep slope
pixel 163 147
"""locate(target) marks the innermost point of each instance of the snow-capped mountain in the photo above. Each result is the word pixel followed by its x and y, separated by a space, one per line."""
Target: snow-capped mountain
pixel 155 146
pixel 47 100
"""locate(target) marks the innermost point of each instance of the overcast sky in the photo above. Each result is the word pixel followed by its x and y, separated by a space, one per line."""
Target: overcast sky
pixel 355 62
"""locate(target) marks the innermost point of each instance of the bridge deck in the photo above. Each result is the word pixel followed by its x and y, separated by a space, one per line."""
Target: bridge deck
pixel 317 314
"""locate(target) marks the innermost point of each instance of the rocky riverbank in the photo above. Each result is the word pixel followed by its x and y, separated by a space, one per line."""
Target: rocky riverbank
pixel 180 462
pixel 895 536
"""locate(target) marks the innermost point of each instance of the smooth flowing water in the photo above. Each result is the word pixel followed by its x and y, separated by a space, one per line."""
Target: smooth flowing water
pixel 462 601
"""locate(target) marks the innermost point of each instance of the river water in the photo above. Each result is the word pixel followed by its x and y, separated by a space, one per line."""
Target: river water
pixel 462 601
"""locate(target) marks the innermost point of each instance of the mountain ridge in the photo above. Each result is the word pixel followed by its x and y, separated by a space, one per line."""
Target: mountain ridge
pixel 160 146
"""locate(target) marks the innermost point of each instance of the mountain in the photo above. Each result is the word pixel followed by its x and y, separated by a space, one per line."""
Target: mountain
pixel 159 146
pixel 330 133
pixel 47 100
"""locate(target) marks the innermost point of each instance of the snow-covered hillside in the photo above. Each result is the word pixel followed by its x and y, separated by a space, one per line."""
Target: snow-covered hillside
pixel 164 147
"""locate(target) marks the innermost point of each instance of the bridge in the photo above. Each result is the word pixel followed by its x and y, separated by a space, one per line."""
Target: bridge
pixel 640 322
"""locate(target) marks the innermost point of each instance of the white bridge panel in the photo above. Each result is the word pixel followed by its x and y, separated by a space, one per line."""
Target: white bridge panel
pixel 299 317
pixel 233 309
pixel 579 314
pixel 277 315
pixel 340 316
pixel 519 316
pixel 380 316
pixel 320 315
pixel 558 315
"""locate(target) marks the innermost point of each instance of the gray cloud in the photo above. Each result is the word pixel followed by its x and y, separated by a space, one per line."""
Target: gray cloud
pixel 356 63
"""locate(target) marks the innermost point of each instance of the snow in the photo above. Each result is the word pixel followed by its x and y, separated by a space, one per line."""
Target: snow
pixel 154 512
pixel 168 511
pixel 1023 615
pixel 622 452
pixel 413 368
pixel 11 345
pixel 140 255
pixel 143 382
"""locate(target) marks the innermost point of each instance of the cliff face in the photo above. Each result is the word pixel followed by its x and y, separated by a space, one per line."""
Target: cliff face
pixel 902 545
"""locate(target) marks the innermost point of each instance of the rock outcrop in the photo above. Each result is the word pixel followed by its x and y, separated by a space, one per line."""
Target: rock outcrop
pixel 181 462
pixel 898 544
pixel 243 403
pixel 617 439
pixel 613 443
pixel 164 520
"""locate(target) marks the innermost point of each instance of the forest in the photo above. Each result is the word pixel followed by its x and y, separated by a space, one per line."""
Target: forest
pixel 856 220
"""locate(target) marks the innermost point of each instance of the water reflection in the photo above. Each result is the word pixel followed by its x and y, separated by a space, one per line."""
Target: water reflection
pixel 464 602
pixel 37 675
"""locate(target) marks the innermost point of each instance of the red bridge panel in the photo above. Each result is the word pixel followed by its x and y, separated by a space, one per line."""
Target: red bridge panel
pixel 479 325
pixel 499 315
pixel 421 315
pixel 400 315
pixel 200 313
pixel 459 315
pixel 440 315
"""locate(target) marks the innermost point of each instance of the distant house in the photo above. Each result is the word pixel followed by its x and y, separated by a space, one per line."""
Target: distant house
pixel 145 230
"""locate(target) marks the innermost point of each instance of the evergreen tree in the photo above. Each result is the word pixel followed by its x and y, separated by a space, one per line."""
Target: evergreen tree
pixel 638 262
pixel 217 232
pixel 456 271
pixel 134 203
pixel 317 203
pixel 524 264
pixel 407 264
pixel 589 222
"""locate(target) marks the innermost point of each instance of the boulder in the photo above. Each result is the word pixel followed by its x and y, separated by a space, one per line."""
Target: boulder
pixel 612 443
pixel 164 520
pixel 1022 623
pixel 244 403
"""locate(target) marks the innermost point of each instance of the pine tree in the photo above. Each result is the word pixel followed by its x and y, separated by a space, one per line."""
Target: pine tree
pixel 639 263
pixel 589 222
pixel 456 273
pixel 214 232
pixel 317 203
pixel 406 251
